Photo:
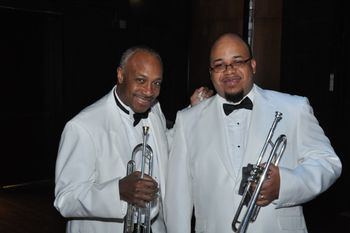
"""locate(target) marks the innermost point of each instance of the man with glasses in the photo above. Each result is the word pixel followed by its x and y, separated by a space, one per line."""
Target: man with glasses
pixel 220 136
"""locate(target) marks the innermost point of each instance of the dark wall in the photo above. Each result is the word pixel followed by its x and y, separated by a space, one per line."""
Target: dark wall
pixel 94 40
pixel 60 56
pixel 315 64
pixel 31 68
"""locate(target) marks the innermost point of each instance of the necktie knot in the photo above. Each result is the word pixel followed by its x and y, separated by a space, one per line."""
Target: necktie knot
pixel 246 103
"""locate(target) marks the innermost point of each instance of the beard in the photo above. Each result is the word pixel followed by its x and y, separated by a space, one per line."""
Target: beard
pixel 236 97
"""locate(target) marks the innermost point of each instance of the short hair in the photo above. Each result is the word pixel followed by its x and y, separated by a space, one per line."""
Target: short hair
pixel 131 51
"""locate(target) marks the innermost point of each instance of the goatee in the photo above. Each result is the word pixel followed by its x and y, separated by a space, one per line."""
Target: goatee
pixel 234 97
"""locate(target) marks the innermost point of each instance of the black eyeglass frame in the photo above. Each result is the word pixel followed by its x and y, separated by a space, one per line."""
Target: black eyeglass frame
pixel 234 64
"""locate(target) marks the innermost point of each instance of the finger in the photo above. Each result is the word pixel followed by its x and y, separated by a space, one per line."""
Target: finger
pixel 200 89
pixel 261 196
pixel 145 196
pixel 149 178
pixel 139 203
pixel 262 200
pixel 200 95
pixel 149 185
pixel 268 176
pixel 146 187
pixel 209 93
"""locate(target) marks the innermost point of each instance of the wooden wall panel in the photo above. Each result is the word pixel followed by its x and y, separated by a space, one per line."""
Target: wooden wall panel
pixel 267 42
pixel 267 49
pixel 210 18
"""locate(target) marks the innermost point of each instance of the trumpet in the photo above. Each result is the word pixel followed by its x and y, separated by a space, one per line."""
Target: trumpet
pixel 256 177
pixel 138 219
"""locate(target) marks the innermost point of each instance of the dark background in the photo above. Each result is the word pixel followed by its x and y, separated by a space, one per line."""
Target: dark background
pixel 59 56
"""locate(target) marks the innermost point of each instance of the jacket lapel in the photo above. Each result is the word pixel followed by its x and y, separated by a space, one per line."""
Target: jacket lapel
pixel 263 115
pixel 160 146
pixel 120 141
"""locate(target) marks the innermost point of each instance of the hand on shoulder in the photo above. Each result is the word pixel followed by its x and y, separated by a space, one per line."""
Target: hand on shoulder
pixel 200 94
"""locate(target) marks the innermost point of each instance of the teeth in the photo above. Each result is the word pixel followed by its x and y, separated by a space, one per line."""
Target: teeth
pixel 143 100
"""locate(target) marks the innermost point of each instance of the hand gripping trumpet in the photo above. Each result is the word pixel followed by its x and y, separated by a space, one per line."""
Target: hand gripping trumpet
pixel 256 177
pixel 137 219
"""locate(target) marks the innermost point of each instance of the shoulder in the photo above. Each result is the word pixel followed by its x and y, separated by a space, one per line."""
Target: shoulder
pixel 292 105
pixel 157 112
pixel 157 109
pixel 281 98
pixel 200 114
pixel 94 113
pixel 198 109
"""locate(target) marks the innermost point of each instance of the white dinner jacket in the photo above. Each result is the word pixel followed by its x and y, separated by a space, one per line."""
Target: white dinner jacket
pixel 92 158
pixel 201 175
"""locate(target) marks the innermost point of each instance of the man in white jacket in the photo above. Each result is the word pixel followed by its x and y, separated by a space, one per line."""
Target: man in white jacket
pixel 211 145
pixel 92 186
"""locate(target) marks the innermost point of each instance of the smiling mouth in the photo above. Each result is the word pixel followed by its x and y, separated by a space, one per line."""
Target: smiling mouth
pixel 144 100
pixel 231 81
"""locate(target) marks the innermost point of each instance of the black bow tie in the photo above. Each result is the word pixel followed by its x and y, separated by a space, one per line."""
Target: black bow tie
pixel 137 116
pixel 246 103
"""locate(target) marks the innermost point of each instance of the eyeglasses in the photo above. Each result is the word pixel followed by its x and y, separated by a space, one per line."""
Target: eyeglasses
pixel 218 68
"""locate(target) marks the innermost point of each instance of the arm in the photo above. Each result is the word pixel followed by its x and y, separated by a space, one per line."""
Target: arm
pixel 78 193
pixel 316 165
pixel 178 199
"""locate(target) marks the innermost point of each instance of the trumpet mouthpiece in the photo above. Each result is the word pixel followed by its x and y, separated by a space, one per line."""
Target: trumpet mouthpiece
pixel 145 130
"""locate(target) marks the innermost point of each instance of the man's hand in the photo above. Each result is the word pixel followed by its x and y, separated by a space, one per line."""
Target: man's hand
pixel 138 191
pixel 200 94
pixel 270 187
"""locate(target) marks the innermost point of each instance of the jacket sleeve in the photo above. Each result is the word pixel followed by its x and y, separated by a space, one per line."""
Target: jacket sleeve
pixel 317 166
pixel 77 192
pixel 178 199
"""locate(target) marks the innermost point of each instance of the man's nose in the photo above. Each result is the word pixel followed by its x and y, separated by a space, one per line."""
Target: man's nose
pixel 148 89
pixel 229 67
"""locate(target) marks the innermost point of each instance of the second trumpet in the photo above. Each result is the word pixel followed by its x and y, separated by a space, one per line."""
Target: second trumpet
pixel 258 174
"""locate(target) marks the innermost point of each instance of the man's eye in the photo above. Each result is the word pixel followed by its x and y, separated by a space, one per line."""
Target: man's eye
pixel 219 66
pixel 158 84
pixel 238 62
pixel 140 80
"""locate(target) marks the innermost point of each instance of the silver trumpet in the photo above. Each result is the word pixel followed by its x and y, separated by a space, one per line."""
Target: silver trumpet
pixel 137 219
pixel 256 177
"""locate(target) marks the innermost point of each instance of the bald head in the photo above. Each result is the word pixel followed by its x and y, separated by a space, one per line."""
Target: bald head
pixel 230 39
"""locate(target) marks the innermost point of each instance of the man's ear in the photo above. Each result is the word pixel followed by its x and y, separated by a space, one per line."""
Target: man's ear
pixel 120 75
pixel 253 65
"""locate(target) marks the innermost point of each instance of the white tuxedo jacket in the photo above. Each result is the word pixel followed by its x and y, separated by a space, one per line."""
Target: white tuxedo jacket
pixel 200 173
pixel 92 157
